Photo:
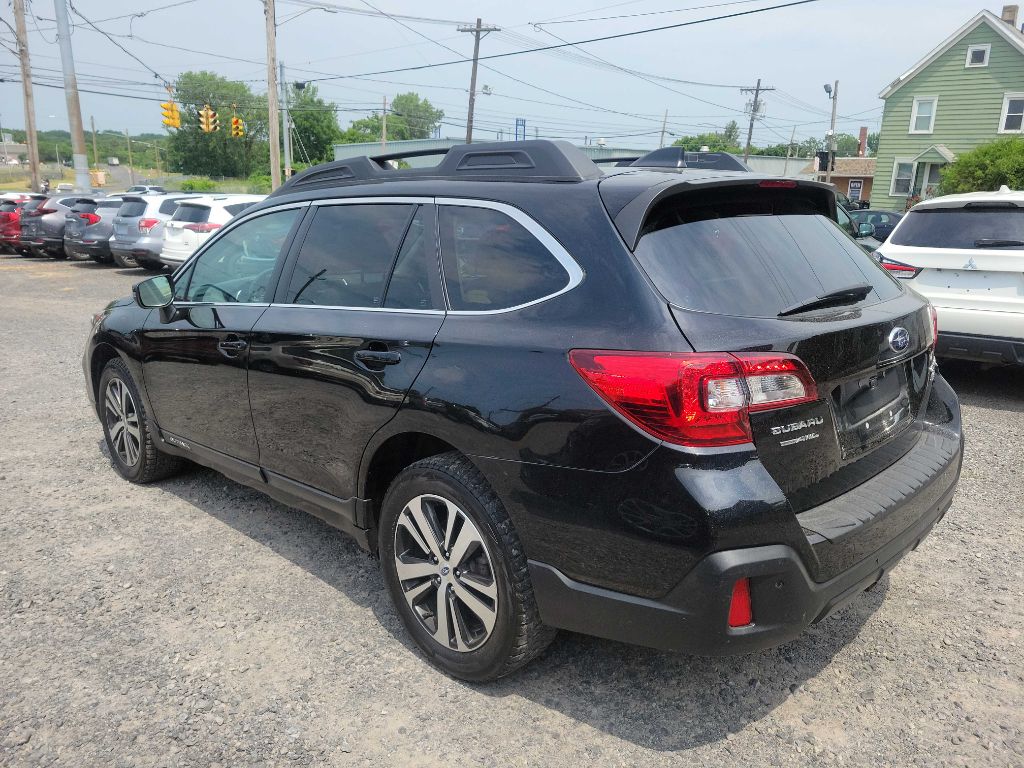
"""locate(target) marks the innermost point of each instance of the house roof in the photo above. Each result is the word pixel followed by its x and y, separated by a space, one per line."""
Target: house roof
pixel 857 167
pixel 1008 32
pixel 936 153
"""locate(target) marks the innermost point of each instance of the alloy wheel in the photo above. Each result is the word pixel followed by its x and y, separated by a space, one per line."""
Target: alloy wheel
pixel 122 418
pixel 446 573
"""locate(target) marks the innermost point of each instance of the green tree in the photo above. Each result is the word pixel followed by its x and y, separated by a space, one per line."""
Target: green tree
pixel 847 145
pixel 873 143
pixel 726 140
pixel 731 133
pixel 986 168
pixel 314 125
pixel 218 154
pixel 409 117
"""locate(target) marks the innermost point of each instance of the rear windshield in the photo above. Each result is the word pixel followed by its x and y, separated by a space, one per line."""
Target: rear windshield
pixel 84 206
pixel 34 203
pixel 753 255
pixel 132 208
pixel 236 208
pixel 108 204
pixel 167 207
pixel 7 207
pixel 968 227
pixel 194 213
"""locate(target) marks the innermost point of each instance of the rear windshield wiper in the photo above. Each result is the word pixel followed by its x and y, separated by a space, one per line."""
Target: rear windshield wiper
pixel 992 242
pixel 846 295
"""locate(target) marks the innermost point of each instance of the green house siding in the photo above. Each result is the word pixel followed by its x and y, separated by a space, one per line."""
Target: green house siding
pixel 968 111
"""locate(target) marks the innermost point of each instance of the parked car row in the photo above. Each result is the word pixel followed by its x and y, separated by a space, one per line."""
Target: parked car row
pixel 149 228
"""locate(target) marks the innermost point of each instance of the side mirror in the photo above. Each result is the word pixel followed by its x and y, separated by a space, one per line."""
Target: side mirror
pixel 154 293
pixel 865 230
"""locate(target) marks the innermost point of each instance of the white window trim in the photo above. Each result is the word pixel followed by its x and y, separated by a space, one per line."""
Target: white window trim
pixel 895 167
pixel 1006 108
pixel 987 47
pixel 913 114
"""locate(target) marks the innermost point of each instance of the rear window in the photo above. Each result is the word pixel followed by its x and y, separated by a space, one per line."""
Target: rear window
pixel 193 213
pixel 108 204
pixel 8 207
pixel 236 208
pixel 968 227
pixel 167 207
pixel 132 208
pixel 84 206
pixel 753 254
pixel 34 203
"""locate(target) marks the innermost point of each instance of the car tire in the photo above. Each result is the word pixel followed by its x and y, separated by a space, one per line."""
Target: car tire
pixel 149 266
pixel 126 262
pixel 134 454
pixel 450 497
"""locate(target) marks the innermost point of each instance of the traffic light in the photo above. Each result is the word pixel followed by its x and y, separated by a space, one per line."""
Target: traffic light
pixel 172 117
pixel 208 122
pixel 237 127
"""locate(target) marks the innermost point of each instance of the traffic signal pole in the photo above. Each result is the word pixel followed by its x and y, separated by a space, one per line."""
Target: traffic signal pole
pixel 31 139
pixel 67 62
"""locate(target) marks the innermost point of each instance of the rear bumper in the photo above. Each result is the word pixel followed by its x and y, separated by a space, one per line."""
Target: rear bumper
pixel 79 249
pixel 693 618
pixel 985 349
pixel 841 548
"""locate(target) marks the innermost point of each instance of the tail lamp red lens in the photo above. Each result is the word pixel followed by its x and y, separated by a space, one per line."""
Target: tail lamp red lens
pixel 89 218
pixel 741 613
pixel 202 227
pixel 145 225
pixel 777 184
pixel 934 315
pixel 899 269
pixel 695 398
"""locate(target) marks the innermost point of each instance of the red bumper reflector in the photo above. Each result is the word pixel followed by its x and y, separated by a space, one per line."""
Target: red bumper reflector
pixel 740 613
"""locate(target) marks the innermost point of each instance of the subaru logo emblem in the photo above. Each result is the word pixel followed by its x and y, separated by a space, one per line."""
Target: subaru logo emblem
pixel 899 339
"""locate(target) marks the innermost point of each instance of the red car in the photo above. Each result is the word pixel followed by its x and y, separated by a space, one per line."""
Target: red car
pixel 10 223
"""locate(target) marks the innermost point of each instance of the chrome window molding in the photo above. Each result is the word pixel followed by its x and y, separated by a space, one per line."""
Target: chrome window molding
pixel 569 264
pixel 395 310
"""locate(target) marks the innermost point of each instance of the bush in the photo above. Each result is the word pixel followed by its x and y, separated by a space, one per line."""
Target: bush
pixel 986 168
pixel 198 185
pixel 258 184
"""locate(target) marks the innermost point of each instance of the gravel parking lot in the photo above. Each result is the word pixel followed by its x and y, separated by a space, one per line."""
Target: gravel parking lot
pixel 197 622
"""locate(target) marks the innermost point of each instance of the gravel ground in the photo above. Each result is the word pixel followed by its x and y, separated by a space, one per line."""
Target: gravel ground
pixel 197 622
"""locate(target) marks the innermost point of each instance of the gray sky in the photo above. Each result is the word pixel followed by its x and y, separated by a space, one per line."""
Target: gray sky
pixel 864 45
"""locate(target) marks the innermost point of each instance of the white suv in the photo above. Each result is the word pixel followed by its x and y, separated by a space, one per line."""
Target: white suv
pixel 966 254
pixel 196 219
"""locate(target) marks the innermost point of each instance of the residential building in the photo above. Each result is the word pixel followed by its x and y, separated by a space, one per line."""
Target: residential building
pixel 968 91
pixel 853 176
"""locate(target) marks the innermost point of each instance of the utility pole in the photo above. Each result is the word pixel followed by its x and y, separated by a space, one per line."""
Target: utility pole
pixel 287 126
pixel 832 135
pixel 755 109
pixel 67 62
pixel 3 139
pixel 272 117
pixel 384 125
pixel 31 139
pixel 789 152
pixel 131 166
pixel 95 154
pixel 664 122
pixel 477 31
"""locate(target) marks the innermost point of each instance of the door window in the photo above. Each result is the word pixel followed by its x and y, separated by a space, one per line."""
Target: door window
pixel 347 255
pixel 238 266
pixel 492 262
pixel 416 280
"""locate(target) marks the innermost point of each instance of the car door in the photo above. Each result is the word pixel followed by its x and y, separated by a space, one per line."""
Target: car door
pixel 352 324
pixel 195 353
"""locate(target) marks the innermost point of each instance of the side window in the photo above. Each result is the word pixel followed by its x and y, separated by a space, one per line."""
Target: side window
pixel 492 262
pixel 416 280
pixel 347 255
pixel 238 266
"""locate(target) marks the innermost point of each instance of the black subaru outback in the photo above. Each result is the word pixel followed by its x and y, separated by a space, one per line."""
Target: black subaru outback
pixel 674 407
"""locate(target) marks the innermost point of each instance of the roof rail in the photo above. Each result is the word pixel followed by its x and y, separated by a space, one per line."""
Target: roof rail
pixel 536 160
pixel 622 160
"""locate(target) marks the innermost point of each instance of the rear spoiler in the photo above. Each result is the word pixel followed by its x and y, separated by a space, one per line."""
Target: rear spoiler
pixel 630 219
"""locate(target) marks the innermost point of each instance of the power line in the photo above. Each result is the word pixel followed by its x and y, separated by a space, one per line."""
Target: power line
pixel 647 13
pixel 155 74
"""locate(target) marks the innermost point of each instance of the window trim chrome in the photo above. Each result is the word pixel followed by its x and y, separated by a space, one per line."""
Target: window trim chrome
pixel 555 248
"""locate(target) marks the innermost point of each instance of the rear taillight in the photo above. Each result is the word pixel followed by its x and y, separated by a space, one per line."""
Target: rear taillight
pixel 741 613
pixel 89 218
pixel 777 184
pixel 202 227
pixel 935 325
pixel 898 268
pixel 145 225
pixel 695 399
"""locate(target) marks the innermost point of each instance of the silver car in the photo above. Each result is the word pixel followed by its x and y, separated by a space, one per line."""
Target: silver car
pixel 88 227
pixel 42 228
pixel 138 229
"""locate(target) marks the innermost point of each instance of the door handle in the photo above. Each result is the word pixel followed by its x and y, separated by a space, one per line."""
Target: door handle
pixel 378 357
pixel 230 346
